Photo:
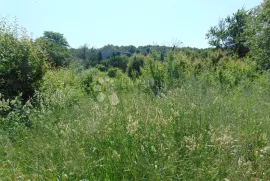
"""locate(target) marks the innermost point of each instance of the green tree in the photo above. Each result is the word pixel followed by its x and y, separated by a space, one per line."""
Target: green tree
pixel 55 37
pixel 229 33
pixel 259 31
pixel 56 46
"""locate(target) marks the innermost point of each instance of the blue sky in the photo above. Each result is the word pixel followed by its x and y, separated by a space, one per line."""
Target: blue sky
pixel 123 22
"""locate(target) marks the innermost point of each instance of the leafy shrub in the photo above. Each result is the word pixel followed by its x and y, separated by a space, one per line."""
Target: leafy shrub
pixel 120 62
pixel 22 62
pixel 134 66
pixel 101 67
pixel 233 72
pixel 112 72
pixel 215 56
pixel 177 65
pixel 86 81
pixel 154 73
pixel 229 72
pixel 86 78
pixel 62 88
pixel 123 83
pixel 13 112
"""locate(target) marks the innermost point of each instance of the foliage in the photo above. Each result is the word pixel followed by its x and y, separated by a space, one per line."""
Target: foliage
pixel 231 73
pixel 22 62
pixel 13 113
pixel 56 38
pixel 86 80
pixel 228 35
pixel 120 62
pixel 56 47
pixel 258 31
pixel 60 90
pixel 178 66
pixel 135 64
pixel 190 114
pixel 154 73
pixel 112 72
pixel 224 135
pixel 101 67
pixel 88 56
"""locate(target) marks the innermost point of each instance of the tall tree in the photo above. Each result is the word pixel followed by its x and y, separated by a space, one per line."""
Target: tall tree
pixel 55 37
pixel 228 34
pixel 56 46
pixel 259 31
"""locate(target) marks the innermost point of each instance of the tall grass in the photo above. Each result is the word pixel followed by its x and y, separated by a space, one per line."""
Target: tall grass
pixel 195 130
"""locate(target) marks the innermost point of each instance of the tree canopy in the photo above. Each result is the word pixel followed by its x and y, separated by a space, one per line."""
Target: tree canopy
pixel 228 34
pixel 56 47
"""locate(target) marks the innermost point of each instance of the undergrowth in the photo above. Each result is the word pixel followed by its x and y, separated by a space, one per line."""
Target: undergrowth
pixel 178 120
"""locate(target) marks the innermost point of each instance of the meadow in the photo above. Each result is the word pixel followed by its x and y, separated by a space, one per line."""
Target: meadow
pixel 181 119
pixel 137 113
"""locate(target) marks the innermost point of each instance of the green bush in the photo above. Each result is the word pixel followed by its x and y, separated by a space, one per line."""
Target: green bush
pixel 232 72
pixel 86 78
pixel 22 62
pixel 62 88
pixel 112 72
pixel 154 72
pixel 13 112
pixel 101 67
pixel 134 66
pixel 120 62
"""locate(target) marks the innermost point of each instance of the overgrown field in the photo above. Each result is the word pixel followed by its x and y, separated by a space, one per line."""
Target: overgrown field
pixel 137 113
pixel 200 122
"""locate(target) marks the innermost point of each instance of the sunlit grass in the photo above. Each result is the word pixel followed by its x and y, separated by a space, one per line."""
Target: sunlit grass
pixel 190 133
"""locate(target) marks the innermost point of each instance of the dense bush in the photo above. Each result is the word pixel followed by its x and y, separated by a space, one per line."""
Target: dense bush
pixel 112 72
pixel 22 62
pixel 101 67
pixel 232 72
pixel 86 78
pixel 135 64
pixel 13 113
pixel 120 62
pixel 154 73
